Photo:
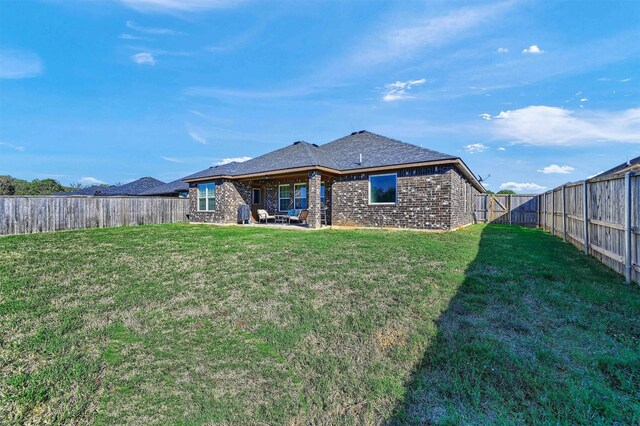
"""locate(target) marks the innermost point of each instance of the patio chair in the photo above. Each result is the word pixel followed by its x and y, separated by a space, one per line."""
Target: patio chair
pixel 264 215
pixel 299 216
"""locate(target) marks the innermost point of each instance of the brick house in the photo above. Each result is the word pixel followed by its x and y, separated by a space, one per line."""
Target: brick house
pixel 363 179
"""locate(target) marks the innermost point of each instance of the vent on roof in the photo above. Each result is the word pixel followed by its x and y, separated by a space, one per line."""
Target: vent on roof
pixel 354 133
pixel 315 144
pixel 297 142
pixel 361 131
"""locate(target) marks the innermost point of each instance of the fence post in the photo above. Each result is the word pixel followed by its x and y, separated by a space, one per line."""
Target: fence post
pixel 627 227
pixel 538 202
pixel 509 207
pixel 585 215
pixel 564 214
pixel 544 214
pixel 490 209
pixel 486 208
pixel 553 212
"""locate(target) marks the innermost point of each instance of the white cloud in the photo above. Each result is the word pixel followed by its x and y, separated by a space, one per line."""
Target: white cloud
pixel 533 49
pixel 522 186
pixel 172 160
pixel 548 126
pixel 501 148
pixel 196 137
pixel 12 146
pixel 126 36
pixel 584 99
pixel 19 64
pixel 88 180
pixel 554 168
pixel 625 80
pixel 143 58
pixel 232 159
pixel 151 30
pixel 475 147
pixel 485 116
pixel 503 50
pixel 169 6
pixel 398 90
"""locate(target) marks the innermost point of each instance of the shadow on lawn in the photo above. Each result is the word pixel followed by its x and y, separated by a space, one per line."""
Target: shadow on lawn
pixel 535 333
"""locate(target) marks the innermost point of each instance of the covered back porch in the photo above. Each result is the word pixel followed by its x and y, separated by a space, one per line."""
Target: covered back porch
pixel 290 198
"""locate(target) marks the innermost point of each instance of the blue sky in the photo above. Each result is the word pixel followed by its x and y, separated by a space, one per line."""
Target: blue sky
pixel 534 94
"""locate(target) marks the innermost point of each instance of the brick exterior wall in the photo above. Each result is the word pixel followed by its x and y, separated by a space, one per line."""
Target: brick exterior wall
pixel 462 196
pixel 437 198
pixel 428 198
pixel 423 201
pixel 229 195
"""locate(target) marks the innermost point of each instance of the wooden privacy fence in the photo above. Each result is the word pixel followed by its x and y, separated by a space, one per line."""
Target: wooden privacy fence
pixel 29 214
pixel 515 209
pixel 600 217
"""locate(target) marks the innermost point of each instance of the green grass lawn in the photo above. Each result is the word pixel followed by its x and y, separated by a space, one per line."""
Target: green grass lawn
pixel 199 324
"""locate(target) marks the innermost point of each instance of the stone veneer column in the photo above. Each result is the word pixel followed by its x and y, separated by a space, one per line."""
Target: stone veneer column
pixel 315 181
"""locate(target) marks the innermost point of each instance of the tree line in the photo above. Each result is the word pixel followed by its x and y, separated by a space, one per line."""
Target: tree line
pixel 14 186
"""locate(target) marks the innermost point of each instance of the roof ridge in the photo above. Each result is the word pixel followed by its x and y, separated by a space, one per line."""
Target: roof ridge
pixel 310 155
pixel 391 139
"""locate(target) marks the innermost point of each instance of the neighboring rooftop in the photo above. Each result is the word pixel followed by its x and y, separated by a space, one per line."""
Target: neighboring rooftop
pixel 632 164
pixel 359 150
pixel 137 187
pixel 170 188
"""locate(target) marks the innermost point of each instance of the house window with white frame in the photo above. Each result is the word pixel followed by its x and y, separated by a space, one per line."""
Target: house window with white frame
pixel 206 197
pixel 284 197
pixel 383 189
pixel 300 196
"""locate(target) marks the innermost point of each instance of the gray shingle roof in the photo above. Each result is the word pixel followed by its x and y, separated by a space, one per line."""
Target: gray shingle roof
pixel 223 170
pixel 170 188
pixel 618 168
pixel 341 154
pixel 136 187
pixel 377 151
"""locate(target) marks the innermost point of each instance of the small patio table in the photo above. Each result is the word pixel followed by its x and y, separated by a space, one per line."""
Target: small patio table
pixel 282 218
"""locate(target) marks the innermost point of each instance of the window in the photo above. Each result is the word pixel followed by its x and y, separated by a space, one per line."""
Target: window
pixel 257 195
pixel 284 196
pixel 382 189
pixel 206 196
pixel 322 198
pixel 300 196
